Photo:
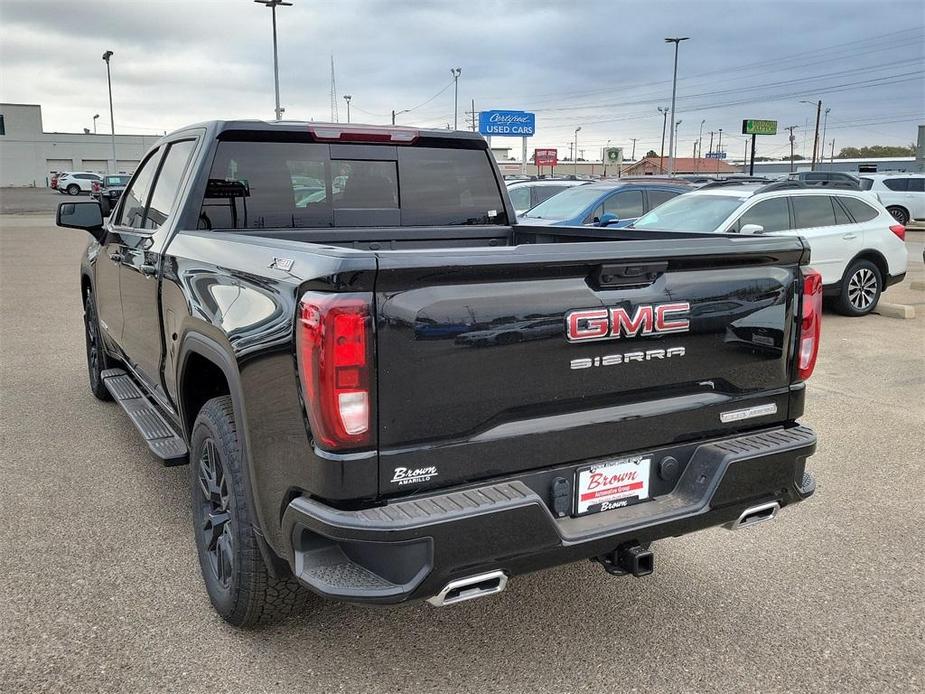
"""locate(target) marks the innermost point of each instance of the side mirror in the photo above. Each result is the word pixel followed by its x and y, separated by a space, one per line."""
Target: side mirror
pixel 752 229
pixel 607 219
pixel 86 215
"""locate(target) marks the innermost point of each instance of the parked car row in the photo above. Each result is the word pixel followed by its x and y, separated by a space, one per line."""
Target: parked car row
pixel 75 183
pixel 854 225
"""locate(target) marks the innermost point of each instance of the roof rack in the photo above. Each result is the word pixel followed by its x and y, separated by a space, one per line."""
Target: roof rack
pixel 781 185
pixel 729 182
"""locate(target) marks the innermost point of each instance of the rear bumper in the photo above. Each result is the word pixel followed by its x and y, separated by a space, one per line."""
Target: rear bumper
pixel 410 549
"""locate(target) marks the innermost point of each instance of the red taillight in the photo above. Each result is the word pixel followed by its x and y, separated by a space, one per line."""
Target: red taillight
pixel 899 230
pixel 810 323
pixel 333 344
pixel 95 186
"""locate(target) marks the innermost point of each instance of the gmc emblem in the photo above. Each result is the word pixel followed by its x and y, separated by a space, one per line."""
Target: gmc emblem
pixel 613 323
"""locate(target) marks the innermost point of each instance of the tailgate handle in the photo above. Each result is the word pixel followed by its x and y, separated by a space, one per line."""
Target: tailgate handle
pixel 630 274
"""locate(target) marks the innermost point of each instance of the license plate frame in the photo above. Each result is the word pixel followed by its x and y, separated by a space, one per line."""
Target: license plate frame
pixel 621 482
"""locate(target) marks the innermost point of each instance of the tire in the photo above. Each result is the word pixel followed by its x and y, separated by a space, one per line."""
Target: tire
pixel 96 355
pixel 73 189
pixel 237 581
pixel 860 289
pixel 900 214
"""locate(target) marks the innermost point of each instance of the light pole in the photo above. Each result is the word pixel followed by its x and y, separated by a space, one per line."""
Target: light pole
pixel 604 158
pixel 398 113
pixel 825 124
pixel 719 149
pixel 112 122
pixel 94 123
pixel 661 152
pixel 347 98
pixel 700 141
pixel 456 72
pixel 575 160
pixel 818 105
pixel 674 89
pixel 273 4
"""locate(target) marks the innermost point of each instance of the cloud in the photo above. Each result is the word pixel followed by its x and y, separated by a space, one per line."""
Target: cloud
pixel 599 64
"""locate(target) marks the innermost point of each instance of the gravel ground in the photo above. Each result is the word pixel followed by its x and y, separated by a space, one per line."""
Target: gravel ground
pixel 100 588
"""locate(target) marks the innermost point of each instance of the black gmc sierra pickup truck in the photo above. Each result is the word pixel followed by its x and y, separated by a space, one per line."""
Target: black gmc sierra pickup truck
pixel 390 391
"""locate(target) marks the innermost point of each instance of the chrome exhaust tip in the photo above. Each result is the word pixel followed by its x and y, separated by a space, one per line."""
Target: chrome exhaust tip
pixel 754 515
pixel 469 588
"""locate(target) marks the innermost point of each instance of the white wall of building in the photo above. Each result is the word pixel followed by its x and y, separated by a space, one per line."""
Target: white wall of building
pixel 29 156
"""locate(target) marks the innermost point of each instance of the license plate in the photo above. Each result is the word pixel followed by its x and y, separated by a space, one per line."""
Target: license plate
pixel 613 484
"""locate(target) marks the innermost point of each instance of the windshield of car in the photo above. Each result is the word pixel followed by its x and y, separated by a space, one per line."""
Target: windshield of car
pixel 690 213
pixel 566 204
pixel 116 180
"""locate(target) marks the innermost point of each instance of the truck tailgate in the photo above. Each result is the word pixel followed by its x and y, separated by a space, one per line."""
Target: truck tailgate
pixel 529 356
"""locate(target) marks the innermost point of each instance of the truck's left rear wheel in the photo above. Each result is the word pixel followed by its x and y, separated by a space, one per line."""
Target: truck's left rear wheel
pixel 241 589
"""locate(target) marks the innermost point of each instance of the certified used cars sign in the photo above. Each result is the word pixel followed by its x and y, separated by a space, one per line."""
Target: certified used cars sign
pixel 509 123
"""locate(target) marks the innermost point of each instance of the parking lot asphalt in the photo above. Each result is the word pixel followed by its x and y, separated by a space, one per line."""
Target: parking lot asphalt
pixel 100 587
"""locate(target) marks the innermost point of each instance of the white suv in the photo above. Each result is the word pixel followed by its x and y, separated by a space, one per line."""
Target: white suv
pixel 78 182
pixel 903 195
pixel 857 247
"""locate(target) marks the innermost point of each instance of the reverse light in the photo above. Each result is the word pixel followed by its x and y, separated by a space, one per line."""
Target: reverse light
pixel 899 230
pixel 333 347
pixel 810 323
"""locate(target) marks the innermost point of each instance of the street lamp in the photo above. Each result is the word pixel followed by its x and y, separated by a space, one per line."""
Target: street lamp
pixel 398 113
pixel 347 98
pixel 575 160
pixel 273 4
pixel 674 89
pixel 818 105
pixel 94 123
pixel 456 72
pixel 661 152
pixel 112 121
pixel 825 124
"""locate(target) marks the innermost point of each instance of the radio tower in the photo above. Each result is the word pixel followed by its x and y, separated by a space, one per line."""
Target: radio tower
pixel 334 116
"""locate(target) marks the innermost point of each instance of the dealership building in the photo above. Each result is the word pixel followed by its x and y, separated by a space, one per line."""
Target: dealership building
pixel 29 156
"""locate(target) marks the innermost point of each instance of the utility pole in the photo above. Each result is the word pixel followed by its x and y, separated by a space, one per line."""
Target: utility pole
pixel 674 89
pixel 719 149
pixel 832 158
pixel 272 4
pixel 575 160
pixel 633 155
pixel 661 152
pixel 335 116
pixel 474 117
pixel 710 149
pixel 700 141
pixel 792 140
pixel 347 98
pixel 112 121
pixel 816 137
pixel 456 72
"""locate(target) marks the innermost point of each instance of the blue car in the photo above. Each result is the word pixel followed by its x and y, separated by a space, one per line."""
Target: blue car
pixel 614 203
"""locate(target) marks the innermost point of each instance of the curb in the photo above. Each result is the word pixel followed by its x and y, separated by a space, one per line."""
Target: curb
pixel 895 311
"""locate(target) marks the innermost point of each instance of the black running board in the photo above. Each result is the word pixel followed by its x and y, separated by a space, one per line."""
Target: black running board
pixel 161 438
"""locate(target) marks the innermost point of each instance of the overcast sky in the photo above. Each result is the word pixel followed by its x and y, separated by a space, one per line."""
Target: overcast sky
pixel 599 65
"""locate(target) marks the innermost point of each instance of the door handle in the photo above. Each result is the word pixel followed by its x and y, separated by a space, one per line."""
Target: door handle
pixel 116 257
pixel 848 237
pixel 148 270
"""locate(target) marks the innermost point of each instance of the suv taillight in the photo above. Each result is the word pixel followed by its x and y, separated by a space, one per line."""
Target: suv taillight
pixel 334 351
pixel 810 323
pixel 899 230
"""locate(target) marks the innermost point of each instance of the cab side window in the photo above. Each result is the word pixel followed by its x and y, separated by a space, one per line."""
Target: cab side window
pixel 772 215
pixel 135 197
pixel 168 183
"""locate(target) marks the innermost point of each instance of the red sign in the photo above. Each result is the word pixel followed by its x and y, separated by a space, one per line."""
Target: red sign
pixel 545 157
